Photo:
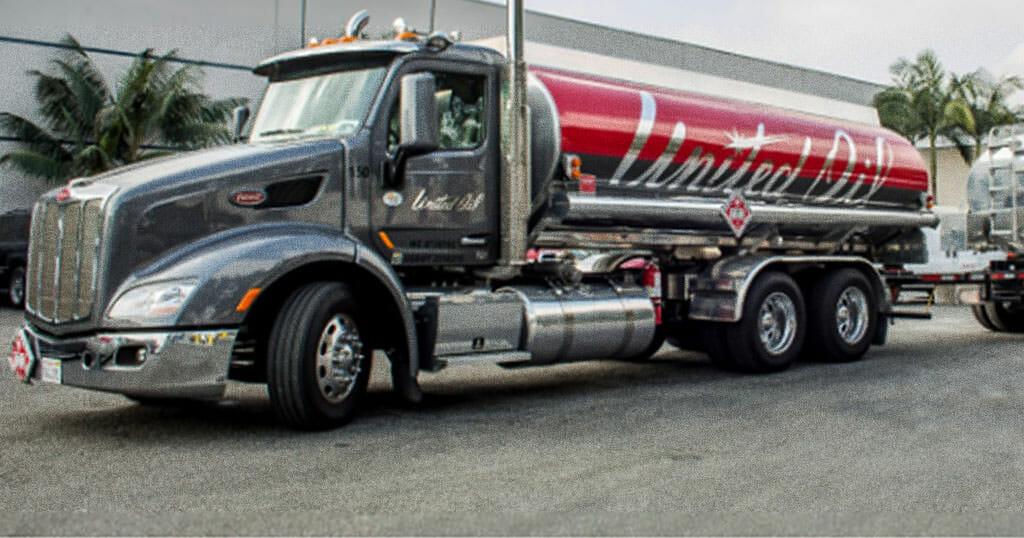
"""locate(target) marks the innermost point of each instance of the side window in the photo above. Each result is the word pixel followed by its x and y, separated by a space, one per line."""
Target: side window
pixel 460 112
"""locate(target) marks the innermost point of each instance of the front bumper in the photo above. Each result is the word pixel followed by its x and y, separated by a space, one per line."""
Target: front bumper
pixel 186 364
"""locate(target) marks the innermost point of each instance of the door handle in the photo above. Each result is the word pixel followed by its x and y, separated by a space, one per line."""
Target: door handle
pixel 470 241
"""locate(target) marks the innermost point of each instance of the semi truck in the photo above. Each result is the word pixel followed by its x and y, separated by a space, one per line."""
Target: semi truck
pixel 385 201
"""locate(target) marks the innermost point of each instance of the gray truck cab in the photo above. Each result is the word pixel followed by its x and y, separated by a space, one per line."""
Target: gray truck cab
pixel 367 163
pixel 429 201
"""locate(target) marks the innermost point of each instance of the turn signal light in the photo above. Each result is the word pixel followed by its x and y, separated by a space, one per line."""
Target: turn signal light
pixel 248 299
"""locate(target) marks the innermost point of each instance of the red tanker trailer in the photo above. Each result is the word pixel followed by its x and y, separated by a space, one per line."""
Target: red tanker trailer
pixel 662 143
pixel 387 198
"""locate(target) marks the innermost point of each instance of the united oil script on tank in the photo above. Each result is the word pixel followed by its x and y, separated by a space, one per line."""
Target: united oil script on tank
pixel 663 142
pixel 702 172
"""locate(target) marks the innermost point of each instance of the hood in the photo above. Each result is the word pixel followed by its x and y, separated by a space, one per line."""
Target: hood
pixel 200 167
pixel 167 204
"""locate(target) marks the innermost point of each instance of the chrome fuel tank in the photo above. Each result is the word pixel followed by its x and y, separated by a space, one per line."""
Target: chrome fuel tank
pixel 591 321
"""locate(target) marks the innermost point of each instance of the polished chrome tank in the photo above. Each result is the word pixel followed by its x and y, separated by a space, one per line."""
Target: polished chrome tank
pixel 995 193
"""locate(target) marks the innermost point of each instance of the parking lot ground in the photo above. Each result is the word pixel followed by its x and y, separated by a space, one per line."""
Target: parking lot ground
pixel 922 437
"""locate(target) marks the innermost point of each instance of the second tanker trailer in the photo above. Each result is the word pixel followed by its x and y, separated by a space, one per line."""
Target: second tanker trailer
pixel 386 200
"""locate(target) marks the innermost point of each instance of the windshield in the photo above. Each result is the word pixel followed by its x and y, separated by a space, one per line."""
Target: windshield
pixel 334 104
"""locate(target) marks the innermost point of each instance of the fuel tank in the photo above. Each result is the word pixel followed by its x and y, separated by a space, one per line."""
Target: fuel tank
pixel 652 143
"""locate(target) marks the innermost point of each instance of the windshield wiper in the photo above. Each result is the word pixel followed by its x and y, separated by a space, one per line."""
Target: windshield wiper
pixel 274 132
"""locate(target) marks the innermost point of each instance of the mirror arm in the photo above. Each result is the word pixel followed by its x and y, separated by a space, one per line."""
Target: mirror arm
pixel 394 168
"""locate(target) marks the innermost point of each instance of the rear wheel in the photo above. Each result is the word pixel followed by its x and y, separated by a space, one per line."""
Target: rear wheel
pixel 317 364
pixel 842 312
pixel 1004 318
pixel 16 287
pixel 979 314
pixel 770 334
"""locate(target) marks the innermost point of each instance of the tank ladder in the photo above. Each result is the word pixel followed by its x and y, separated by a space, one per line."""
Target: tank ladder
pixel 1004 182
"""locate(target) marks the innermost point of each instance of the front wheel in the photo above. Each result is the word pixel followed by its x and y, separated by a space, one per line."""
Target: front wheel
pixel 16 287
pixel 318 366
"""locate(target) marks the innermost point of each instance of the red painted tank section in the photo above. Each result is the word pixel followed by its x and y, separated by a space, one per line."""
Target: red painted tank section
pixel 600 119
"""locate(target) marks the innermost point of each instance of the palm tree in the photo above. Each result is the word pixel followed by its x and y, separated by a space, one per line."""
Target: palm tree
pixel 987 98
pixel 922 105
pixel 156 108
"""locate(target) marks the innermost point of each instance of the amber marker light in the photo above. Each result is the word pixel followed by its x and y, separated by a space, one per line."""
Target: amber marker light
pixel 247 299
pixel 386 240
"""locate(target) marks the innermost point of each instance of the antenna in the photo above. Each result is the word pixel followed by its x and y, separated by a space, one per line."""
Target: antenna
pixel 433 15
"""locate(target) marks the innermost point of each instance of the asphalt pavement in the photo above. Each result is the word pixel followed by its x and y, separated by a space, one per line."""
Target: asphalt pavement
pixel 923 437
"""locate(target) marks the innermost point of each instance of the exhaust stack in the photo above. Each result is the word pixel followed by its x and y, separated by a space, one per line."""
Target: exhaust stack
pixel 515 185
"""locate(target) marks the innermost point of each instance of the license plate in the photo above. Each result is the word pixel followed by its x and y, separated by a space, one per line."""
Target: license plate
pixel 50 371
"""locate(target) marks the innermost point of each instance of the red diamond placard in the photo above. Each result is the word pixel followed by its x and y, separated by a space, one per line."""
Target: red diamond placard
pixel 21 360
pixel 737 214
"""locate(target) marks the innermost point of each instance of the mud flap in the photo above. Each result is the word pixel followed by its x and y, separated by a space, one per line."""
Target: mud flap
pixel 882 330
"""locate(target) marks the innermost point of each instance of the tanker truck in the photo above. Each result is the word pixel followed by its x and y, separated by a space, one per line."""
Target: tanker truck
pixel 994 229
pixel 385 200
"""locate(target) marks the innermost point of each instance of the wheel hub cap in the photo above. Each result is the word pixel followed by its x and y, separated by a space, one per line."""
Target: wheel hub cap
pixel 777 323
pixel 339 358
pixel 852 315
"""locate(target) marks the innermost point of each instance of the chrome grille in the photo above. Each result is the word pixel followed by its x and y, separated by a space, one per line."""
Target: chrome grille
pixel 64 255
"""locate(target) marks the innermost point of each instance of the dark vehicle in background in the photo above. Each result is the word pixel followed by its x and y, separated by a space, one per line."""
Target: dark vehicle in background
pixel 14 227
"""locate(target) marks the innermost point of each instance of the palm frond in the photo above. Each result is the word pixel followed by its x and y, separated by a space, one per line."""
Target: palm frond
pixel 33 136
pixel 35 164
pixel 88 127
pixel 957 114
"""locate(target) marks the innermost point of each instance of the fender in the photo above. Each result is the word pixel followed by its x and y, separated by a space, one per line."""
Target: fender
pixel 226 265
pixel 720 292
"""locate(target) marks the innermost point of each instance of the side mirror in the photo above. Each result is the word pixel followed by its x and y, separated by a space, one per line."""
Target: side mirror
pixel 418 114
pixel 417 121
pixel 241 117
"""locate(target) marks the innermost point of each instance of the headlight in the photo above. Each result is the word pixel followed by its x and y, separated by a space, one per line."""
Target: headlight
pixel 152 303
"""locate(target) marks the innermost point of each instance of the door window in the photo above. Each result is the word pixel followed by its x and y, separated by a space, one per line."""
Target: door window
pixel 460 113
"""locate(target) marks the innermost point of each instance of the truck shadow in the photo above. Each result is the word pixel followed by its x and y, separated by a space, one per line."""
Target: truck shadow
pixel 484 394
pixel 477 389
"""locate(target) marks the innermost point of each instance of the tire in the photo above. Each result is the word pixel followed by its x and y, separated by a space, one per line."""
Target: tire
pixel 1004 319
pixel 842 314
pixel 16 287
pixel 982 317
pixel 317 327
pixel 770 334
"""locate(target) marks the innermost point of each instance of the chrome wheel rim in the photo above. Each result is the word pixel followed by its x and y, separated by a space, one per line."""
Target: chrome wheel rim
pixel 339 358
pixel 852 315
pixel 777 323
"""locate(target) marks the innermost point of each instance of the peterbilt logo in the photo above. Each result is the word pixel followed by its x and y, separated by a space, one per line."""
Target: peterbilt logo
pixel 704 172
pixel 64 194
pixel 446 202
pixel 248 198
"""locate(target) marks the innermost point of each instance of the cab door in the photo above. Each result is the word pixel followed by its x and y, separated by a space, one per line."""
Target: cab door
pixel 443 210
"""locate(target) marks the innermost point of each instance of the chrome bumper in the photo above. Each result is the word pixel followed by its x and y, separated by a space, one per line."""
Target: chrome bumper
pixel 188 364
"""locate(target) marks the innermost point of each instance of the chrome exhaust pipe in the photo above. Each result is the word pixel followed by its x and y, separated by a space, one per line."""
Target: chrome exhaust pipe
pixel 515 185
